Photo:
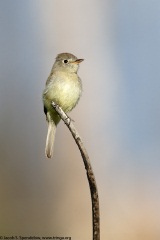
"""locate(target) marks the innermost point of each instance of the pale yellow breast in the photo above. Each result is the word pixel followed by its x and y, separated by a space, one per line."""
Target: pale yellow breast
pixel 64 89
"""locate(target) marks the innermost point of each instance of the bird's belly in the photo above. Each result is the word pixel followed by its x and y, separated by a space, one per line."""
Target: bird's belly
pixel 65 94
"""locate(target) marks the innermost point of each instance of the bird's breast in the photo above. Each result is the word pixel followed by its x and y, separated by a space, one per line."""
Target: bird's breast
pixel 65 90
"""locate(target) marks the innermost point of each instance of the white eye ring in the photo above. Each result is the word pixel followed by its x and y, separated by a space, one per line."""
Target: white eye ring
pixel 65 61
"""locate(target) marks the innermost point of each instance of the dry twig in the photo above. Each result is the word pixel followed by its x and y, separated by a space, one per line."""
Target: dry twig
pixel 89 171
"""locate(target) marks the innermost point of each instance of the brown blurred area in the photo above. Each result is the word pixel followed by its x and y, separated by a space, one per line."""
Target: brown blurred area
pixel 117 117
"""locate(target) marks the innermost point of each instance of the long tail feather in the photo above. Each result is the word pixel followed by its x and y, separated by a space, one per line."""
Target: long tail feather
pixel 50 139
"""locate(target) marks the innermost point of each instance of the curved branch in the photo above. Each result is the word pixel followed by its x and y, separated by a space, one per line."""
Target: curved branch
pixel 89 172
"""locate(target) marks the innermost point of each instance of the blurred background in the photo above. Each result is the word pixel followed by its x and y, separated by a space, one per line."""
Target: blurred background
pixel 118 118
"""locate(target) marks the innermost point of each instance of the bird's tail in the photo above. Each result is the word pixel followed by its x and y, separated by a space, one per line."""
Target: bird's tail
pixel 50 138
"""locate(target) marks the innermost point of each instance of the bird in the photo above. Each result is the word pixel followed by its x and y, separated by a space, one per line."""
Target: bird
pixel 63 87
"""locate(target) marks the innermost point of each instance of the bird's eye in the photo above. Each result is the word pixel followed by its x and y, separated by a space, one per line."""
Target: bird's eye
pixel 65 61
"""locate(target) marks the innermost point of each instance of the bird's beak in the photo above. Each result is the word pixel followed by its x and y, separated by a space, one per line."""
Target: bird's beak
pixel 78 61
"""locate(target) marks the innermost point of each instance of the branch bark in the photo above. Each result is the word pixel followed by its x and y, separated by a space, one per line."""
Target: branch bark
pixel 89 172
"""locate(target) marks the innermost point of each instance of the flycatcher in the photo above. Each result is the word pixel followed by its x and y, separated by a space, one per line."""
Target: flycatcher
pixel 64 87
